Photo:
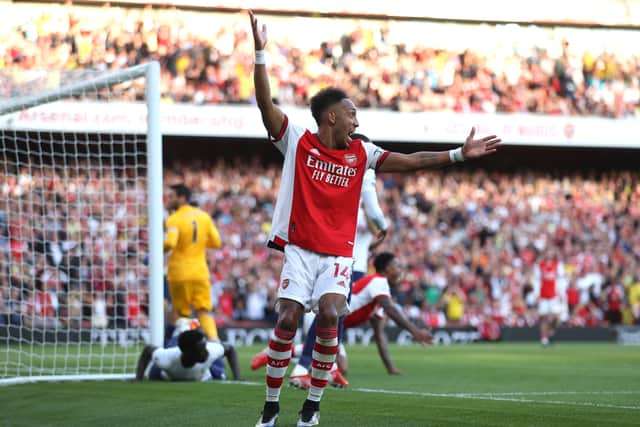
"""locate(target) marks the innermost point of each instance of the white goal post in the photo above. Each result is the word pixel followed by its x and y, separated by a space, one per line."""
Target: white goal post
pixel 81 234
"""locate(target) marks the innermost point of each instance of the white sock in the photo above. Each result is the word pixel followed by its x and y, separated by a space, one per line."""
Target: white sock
pixel 297 350
pixel 299 370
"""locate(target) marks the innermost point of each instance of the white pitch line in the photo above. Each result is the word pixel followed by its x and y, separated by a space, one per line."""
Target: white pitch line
pixel 555 402
pixel 494 398
pixel 500 397
pixel 552 393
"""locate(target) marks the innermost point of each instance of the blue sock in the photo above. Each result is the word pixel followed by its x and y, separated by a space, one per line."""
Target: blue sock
pixel 217 370
pixel 307 350
pixel 168 333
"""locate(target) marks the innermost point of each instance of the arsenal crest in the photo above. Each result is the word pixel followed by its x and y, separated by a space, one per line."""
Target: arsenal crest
pixel 351 159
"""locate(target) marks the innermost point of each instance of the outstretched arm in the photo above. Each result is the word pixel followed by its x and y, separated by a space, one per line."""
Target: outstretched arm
pixel 375 218
pixel 232 357
pixel 420 335
pixel 272 116
pixel 143 361
pixel 381 342
pixel 472 148
pixel 379 233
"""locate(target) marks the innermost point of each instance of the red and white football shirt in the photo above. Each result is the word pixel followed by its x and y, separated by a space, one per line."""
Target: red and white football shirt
pixel 549 274
pixel 319 193
pixel 365 295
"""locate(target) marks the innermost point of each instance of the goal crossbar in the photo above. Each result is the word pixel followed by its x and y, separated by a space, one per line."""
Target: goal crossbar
pixel 105 80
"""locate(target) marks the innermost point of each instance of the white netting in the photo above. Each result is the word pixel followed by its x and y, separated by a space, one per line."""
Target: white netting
pixel 73 242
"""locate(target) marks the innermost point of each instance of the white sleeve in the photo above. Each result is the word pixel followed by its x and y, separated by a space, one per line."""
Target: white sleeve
pixel 215 350
pixel 378 287
pixel 375 155
pixel 370 200
pixel 536 280
pixel 561 270
pixel 289 133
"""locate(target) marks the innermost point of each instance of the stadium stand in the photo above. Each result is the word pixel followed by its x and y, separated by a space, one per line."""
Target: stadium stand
pixel 398 65
pixel 480 241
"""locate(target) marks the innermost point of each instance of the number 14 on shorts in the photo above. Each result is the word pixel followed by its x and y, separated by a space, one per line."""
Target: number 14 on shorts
pixel 344 272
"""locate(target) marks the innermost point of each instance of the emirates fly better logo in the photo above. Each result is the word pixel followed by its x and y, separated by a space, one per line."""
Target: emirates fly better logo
pixel 333 173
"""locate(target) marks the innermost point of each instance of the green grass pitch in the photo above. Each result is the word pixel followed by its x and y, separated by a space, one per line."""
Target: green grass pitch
pixel 459 385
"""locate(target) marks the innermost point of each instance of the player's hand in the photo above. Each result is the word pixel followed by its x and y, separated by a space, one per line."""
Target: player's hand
pixel 259 35
pixel 394 371
pixel 474 148
pixel 423 336
pixel 379 238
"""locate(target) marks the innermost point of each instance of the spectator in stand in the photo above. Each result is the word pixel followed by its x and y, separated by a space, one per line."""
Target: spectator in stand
pixel 454 300
pixel 614 304
pixel 634 300
pixel 490 222
pixel 542 75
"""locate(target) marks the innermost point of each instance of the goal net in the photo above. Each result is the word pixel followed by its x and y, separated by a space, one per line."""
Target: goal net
pixel 80 224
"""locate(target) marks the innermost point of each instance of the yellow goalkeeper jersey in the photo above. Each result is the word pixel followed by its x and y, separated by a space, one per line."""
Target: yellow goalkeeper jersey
pixel 190 231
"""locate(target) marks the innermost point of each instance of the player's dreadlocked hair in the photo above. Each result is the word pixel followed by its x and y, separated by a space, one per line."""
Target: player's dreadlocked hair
pixel 382 261
pixel 324 99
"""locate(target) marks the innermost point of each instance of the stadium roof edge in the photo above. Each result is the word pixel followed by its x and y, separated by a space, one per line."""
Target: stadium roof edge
pixel 619 14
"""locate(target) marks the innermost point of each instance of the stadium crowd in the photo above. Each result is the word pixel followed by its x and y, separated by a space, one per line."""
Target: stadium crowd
pixel 72 251
pixel 206 58
pixel 73 245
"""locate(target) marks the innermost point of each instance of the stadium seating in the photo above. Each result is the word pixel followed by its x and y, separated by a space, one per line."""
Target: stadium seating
pixel 471 233
pixel 403 65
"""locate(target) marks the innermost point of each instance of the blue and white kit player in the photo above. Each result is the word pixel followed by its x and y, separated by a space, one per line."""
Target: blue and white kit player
pixel 187 357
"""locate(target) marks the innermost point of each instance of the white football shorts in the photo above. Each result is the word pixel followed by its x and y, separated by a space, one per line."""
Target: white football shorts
pixel 306 276
pixel 548 306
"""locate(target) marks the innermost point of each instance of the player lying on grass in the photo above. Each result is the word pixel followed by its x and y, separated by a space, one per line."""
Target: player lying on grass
pixel 189 359
pixel 370 295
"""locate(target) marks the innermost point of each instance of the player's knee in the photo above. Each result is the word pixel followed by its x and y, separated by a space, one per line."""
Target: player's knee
pixel 289 315
pixel 288 320
pixel 327 315
pixel 287 323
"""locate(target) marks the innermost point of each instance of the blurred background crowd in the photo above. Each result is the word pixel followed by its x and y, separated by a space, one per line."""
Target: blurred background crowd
pixel 72 251
pixel 73 242
pixel 401 65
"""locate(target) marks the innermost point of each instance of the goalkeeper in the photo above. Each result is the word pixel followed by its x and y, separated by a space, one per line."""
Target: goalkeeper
pixel 190 231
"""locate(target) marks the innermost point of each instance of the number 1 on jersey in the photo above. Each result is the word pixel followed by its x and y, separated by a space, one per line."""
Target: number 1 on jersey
pixel 195 231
